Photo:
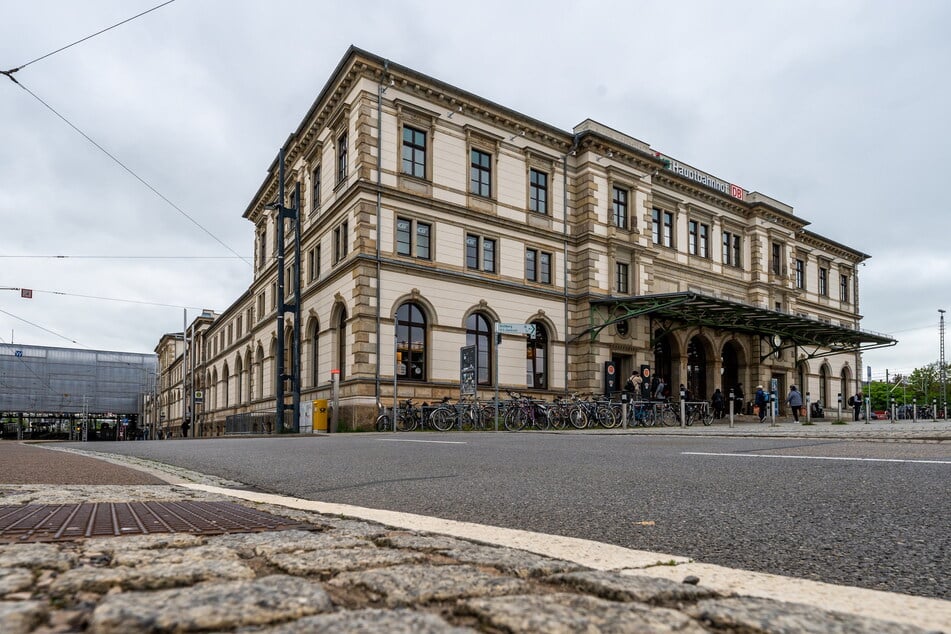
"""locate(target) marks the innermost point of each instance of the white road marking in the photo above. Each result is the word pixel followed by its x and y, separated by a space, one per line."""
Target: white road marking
pixel 788 457
pixel 438 442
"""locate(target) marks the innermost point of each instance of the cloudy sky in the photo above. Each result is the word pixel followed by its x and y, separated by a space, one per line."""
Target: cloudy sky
pixel 841 109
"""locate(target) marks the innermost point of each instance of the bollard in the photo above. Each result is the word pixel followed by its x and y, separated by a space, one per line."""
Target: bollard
pixel 732 404
pixel 808 408
pixel 683 408
pixel 838 414
pixel 914 410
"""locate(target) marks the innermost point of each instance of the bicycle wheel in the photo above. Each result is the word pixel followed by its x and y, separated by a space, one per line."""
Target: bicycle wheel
pixel 578 417
pixel 539 417
pixel 607 417
pixel 487 416
pixel 557 419
pixel 667 417
pixel 515 419
pixel 383 423
pixel 443 418
pixel 707 417
pixel 406 421
pixel 691 415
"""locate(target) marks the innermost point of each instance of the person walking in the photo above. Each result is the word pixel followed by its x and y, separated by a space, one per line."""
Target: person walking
pixel 856 403
pixel 760 401
pixel 718 404
pixel 739 406
pixel 795 402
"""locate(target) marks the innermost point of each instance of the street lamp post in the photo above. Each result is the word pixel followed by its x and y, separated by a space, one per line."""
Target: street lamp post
pixel 944 373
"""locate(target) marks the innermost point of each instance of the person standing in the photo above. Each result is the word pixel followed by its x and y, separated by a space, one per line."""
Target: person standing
pixel 633 385
pixel 795 402
pixel 718 404
pixel 740 404
pixel 185 426
pixel 760 401
pixel 856 403
pixel 659 391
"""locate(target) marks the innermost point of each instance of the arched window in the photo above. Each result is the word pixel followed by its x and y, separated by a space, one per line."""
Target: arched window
pixel 536 358
pixel 260 373
pixel 239 380
pixel 314 352
pixel 214 389
pixel 824 387
pixel 479 334
pixel 342 344
pixel 289 360
pixel 410 343
pixel 845 382
pixel 225 379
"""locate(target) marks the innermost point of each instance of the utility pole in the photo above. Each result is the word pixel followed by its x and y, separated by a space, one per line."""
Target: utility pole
pixel 944 373
pixel 283 306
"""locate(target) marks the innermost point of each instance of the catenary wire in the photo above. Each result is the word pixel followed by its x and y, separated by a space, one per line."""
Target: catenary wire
pixel 123 257
pixel 9 73
pixel 27 366
pixel 35 325
pixel 108 299
pixel 131 172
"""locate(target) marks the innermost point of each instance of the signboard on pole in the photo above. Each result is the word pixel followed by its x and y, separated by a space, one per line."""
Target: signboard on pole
pixel 515 329
pixel 467 371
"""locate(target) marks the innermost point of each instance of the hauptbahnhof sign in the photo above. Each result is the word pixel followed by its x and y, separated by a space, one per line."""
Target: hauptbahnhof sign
pixel 702 177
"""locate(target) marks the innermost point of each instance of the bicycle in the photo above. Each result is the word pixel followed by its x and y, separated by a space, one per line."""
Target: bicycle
pixel 465 414
pixel 522 411
pixel 699 411
pixel 409 417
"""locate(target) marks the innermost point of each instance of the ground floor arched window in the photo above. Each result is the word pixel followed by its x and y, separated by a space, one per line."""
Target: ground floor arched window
pixel 536 358
pixel 479 334
pixel 410 343
pixel 824 387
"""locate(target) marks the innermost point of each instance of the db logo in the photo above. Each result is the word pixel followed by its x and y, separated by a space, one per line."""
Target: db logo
pixel 737 192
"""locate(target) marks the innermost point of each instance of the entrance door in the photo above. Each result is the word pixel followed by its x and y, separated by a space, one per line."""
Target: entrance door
pixel 780 380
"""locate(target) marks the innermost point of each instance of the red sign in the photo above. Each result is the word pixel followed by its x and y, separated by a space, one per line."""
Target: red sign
pixel 737 192
pixel 26 293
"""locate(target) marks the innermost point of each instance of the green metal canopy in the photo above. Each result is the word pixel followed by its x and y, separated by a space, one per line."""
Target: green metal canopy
pixel 673 311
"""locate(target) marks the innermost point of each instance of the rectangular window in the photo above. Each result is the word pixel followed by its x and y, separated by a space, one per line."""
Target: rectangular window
pixel 311 265
pixel 844 288
pixel 544 267
pixel 538 191
pixel 262 246
pixel 823 281
pixel 776 261
pixel 488 255
pixel 621 278
pixel 800 273
pixel 315 188
pixel 704 241
pixel 274 296
pixel 480 253
pixel 472 251
pixel 531 265
pixel 341 241
pixel 405 235
pixel 480 173
pixel 342 158
pixel 655 226
pixel 619 207
pixel 692 231
pixel 737 261
pixel 414 152
pixel 667 239
pixel 238 323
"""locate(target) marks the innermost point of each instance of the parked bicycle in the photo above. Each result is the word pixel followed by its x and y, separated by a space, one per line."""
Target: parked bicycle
pixel 409 417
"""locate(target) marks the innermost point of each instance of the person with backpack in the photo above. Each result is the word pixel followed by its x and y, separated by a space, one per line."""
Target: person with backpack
pixel 795 402
pixel 760 401
pixel 855 402
pixel 718 404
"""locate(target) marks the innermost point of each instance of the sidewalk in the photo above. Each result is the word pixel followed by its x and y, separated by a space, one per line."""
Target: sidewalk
pixel 353 569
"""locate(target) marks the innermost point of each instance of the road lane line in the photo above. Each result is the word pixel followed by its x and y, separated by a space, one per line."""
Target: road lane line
pixel 789 457
pixel 438 442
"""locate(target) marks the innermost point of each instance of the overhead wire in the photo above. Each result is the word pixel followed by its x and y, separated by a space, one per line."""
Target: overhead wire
pixel 123 257
pixel 35 325
pixel 10 73
pixel 108 299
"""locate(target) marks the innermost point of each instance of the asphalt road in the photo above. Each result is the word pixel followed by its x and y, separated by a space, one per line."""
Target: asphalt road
pixel 872 515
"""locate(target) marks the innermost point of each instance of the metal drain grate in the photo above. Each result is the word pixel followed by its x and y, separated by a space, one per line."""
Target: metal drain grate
pixel 64 522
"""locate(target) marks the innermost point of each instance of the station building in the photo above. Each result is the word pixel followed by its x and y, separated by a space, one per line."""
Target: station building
pixel 429 214
pixel 50 392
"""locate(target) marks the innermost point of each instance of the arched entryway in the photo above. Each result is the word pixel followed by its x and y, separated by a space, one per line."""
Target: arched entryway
pixel 663 360
pixel 698 368
pixel 731 362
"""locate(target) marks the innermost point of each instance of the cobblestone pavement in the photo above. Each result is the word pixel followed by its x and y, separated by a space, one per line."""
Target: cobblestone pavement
pixel 345 575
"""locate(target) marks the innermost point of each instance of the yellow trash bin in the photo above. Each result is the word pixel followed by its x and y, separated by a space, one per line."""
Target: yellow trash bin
pixel 320 415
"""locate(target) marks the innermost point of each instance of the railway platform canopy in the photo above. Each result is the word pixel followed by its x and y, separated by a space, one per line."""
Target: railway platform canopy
pixel 669 312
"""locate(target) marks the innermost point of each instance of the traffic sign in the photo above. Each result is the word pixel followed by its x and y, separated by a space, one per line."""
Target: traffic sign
pixel 515 329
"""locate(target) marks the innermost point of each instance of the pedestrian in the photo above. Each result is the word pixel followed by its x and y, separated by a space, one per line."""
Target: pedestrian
pixel 659 391
pixel 718 404
pixel 740 402
pixel 633 385
pixel 185 427
pixel 760 400
pixel 856 403
pixel 795 402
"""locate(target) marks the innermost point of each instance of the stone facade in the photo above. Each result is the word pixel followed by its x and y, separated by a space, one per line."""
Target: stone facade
pixel 419 197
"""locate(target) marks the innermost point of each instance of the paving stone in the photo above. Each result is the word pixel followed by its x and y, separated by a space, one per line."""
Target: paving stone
pixel 14 580
pixel 148 577
pixel 21 616
pixel 753 615
pixel 49 556
pixel 570 613
pixel 333 561
pixel 173 556
pixel 355 528
pixel 269 543
pixel 516 562
pixel 141 542
pixel 618 587
pixel 368 622
pixel 414 584
pixel 210 606
pixel 416 541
